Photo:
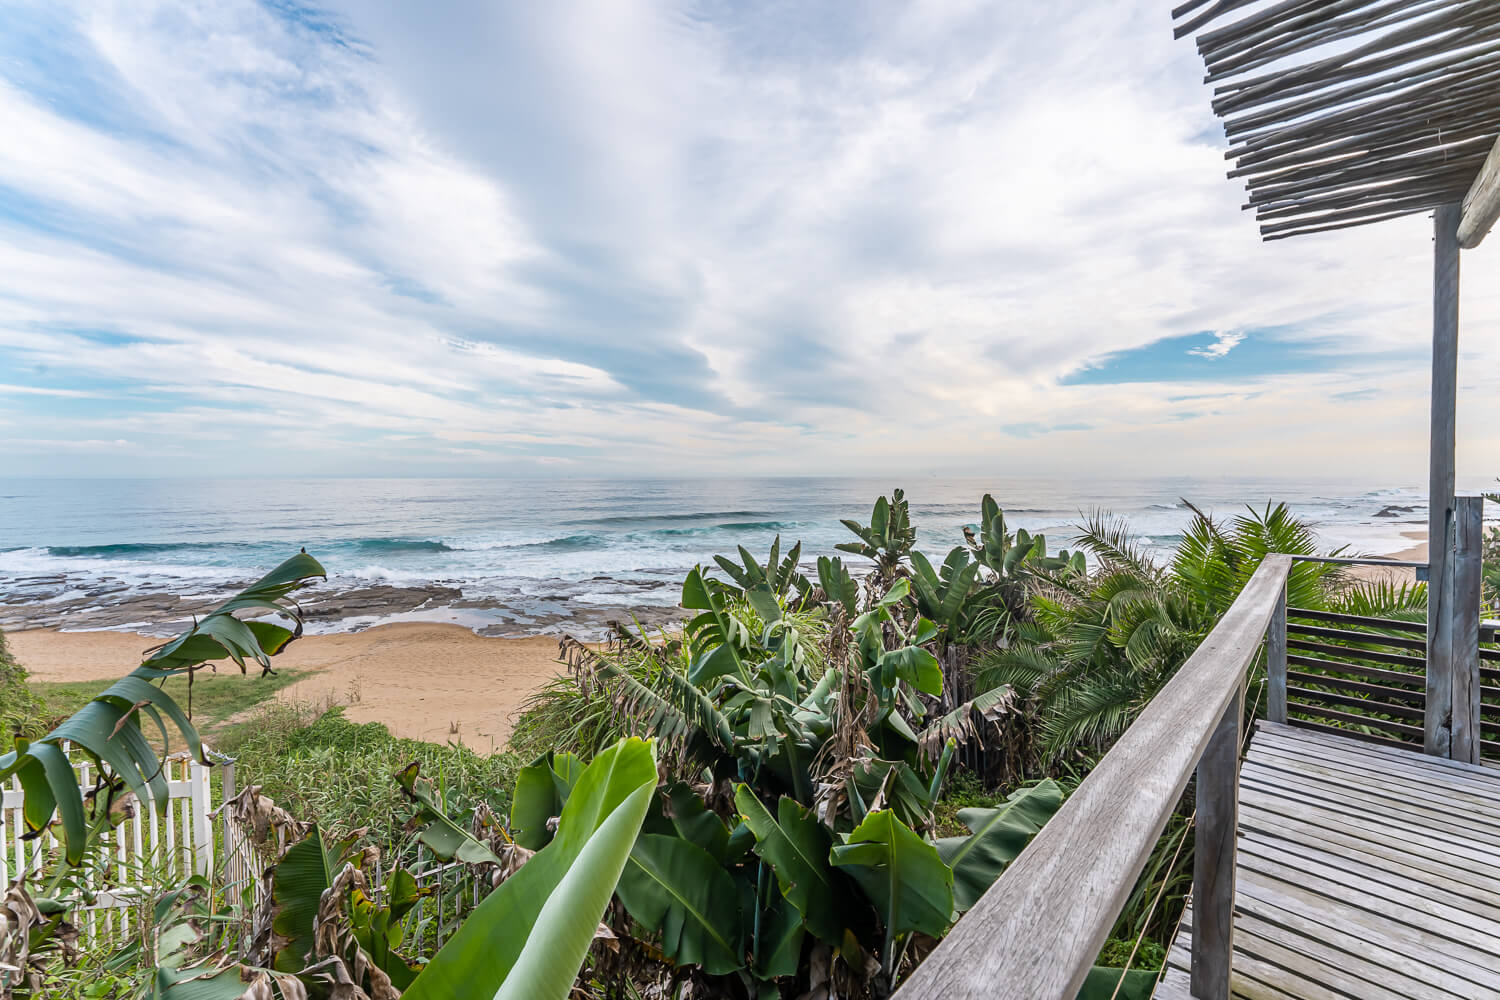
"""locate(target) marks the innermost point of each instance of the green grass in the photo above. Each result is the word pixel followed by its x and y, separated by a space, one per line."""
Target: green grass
pixel 216 698
pixel 962 790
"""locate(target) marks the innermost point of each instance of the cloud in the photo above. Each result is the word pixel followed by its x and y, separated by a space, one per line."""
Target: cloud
pixel 1224 342
pixel 673 237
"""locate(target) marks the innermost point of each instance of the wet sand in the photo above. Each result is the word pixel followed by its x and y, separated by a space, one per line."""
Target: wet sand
pixel 432 682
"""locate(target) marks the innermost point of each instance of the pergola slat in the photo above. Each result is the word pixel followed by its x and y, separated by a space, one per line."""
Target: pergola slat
pixel 1343 112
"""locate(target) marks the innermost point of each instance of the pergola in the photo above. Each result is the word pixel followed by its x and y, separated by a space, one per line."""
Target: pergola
pixel 1343 113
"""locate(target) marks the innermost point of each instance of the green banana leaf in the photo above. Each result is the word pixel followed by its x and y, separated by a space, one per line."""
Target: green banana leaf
pixel 108 729
pixel 541 790
pixel 446 838
pixel 676 888
pixel 796 845
pixel 838 584
pixel 901 873
pixel 715 634
pixel 298 882
pixel 781 935
pixel 693 821
pixel 1139 984
pixel 220 633
pixel 529 937
pixel 378 928
pixel 200 983
pixel 999 835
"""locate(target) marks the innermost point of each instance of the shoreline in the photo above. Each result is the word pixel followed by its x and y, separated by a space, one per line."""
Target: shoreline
pixel 428 680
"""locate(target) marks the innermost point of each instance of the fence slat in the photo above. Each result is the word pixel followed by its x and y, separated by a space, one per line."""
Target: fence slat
pixel 130 855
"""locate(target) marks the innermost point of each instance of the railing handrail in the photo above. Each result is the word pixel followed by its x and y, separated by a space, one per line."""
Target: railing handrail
pixel 1037 931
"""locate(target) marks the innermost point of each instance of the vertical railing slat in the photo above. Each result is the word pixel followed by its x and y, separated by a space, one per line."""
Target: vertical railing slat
pixel 1276 661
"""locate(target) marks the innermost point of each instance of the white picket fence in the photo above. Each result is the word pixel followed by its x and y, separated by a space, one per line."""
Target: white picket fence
pixel 147 848
pixel 152 848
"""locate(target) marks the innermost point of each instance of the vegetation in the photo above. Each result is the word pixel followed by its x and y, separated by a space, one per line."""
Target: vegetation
pixel 325 769
pixel 835 766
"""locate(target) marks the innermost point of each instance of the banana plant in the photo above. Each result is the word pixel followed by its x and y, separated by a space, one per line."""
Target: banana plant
pixel 887 539
pixel 527 939
pixel 109 729
pixel 766 585
pixel 945 595
pixel 996 837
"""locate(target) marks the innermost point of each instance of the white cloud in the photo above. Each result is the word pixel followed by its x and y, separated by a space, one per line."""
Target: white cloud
pixel 647 235
pixel 1224 342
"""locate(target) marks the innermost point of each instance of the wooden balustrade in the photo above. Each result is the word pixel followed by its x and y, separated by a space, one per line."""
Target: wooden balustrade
pixel 1039 928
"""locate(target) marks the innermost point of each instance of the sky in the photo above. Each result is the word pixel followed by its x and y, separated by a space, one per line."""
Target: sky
pixel 678 238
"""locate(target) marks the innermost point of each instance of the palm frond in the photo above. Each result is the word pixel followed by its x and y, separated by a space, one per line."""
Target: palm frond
pixel 1110 540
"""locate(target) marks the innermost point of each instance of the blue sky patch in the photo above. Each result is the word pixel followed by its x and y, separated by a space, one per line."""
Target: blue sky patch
pixel 1208 356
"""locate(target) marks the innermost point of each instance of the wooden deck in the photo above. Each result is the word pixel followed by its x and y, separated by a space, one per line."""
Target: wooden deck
pixel 1362 873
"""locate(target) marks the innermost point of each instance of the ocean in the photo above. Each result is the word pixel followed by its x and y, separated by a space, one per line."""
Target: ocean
pixel 518 557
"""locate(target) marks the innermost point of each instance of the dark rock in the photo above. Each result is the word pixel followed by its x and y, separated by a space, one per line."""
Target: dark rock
pixel 1394 510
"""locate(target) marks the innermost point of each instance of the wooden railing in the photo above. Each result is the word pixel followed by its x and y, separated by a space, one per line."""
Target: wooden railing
pixel 1038 930
pixel 1430 686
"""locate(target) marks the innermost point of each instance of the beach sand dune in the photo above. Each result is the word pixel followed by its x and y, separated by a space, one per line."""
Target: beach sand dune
pixel 432 682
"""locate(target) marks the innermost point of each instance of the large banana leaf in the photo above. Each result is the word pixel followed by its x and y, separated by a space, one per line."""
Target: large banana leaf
pixel 797 846
pixel 999 835
pixel 781 934
pixel 221 633
pixel 693 821
pixel 109 730
pixel 677 888
pixel 528 938
pixel 901 873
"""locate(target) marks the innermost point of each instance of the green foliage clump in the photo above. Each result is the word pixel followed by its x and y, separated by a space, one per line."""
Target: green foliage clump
pixel 1117 954
pixel 23 712
pixel 324 768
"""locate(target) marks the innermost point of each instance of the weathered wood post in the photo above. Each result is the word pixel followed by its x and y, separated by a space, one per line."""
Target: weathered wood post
pixel 1438 724
pixel 1464 600
pixel 1213 855
pixel 1276 661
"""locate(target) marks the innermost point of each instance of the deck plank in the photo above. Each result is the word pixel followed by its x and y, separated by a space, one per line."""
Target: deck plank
pixel 1363 873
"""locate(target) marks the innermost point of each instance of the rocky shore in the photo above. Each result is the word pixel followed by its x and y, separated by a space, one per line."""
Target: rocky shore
pixel 52 602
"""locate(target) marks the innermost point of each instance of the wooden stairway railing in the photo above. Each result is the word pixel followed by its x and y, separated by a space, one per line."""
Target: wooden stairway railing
pixel 1039 928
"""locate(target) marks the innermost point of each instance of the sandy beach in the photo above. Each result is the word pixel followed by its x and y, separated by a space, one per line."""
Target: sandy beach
pixel 432 682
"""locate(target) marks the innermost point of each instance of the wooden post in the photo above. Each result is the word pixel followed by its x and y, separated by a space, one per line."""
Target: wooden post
pixel 1464 602
pixel 1276 661
pixel 1213 856
pixel 1438 728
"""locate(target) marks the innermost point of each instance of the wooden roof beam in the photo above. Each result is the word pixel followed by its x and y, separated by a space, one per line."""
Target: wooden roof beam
pixel 1481 207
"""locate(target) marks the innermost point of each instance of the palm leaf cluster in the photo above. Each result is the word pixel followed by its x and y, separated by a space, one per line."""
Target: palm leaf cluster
pixel 1097 651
